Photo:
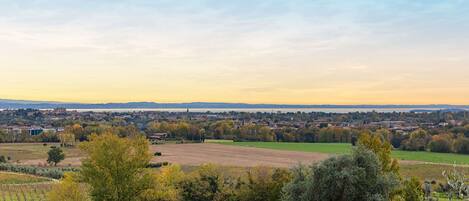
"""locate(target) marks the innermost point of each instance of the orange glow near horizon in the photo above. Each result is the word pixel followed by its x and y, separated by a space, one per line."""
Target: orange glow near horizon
pixel 284 53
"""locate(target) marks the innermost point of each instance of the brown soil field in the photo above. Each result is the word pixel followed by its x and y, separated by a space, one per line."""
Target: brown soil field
pixel 196 154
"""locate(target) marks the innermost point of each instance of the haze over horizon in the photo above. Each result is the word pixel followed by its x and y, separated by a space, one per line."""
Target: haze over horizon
pixel 278 52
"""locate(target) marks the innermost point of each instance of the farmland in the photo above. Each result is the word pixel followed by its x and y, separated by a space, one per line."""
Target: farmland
pixel 18 187
pixel 238 154
pixel 14 178
pixel 236 157
pixel 342 148
pixel 36 153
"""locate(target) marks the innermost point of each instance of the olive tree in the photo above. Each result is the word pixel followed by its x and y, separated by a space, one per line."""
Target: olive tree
pixel 355 177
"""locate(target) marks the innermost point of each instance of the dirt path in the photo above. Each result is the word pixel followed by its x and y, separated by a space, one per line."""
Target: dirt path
pixel 196 154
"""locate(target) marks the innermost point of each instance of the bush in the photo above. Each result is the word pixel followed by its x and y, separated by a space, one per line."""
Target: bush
pixel 353 177
pixel 69 190
pixel 264 184
pixel 164 187
pixel 417 141
pixel 208 183
pixel 462 145
pixel 3 159
pixel 55 173
pixel 441 143
pixel 412 190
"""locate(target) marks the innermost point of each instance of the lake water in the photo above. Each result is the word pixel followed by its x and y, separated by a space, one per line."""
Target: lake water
pixel 252 110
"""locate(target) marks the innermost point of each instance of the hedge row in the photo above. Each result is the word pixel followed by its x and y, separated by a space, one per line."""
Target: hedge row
pixel 55 173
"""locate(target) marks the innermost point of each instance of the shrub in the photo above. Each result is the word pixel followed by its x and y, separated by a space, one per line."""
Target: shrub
pixel 461 145
pixel 69 190
pixel 457 185
pixel 296 188
pixel 417 141
pixel 165 185
pixel 353 177
pixel 441 143
pixel 412 190
pixel 208 183
pixel 55 173
pixel 3 159
pixel 264 184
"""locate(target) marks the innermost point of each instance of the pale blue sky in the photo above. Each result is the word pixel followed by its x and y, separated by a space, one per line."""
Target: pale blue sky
pixel 337 52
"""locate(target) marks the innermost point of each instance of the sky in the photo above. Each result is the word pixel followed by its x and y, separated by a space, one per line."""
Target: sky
pixel 288 52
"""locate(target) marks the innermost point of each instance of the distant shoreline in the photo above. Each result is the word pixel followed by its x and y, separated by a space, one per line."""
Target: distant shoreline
pixel 219 106
pixel 263 110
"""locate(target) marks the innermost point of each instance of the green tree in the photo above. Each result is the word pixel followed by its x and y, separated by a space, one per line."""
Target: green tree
pixel 355 177
pixel 55 155
pixel 441 143
pixel 417 141
pixel 264 184
pixel 208 183
pixel 296 188
pixel 115 167
pixel 461 145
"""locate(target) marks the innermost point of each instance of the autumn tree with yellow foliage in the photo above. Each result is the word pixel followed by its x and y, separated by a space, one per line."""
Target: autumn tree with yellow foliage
pixel 115 167
pixel 69 189
pixel 382 148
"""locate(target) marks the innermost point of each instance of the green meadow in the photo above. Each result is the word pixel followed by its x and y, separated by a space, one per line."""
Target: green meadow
pixel 342 148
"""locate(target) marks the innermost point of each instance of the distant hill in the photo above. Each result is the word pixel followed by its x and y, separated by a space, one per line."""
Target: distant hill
pixel 22 104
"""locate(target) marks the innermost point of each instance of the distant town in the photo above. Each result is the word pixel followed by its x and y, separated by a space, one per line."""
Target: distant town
pixel 33 125
pixel 35 122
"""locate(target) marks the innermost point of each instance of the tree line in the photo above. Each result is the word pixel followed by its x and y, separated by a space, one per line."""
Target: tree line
pixel 448 140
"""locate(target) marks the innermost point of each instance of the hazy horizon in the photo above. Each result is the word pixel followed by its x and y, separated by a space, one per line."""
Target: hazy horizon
pixel 208 102
pixel 274 52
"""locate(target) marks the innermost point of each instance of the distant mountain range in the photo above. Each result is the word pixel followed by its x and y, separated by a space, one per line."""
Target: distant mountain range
pixel 19 104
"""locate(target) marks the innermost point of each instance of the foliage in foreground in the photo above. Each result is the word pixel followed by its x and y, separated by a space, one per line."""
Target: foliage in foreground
pixel 114 163
pixel 382 149
pixel 353 177
pixel 115 167
pixel 69 190
pixel 456 182
pixel 412 190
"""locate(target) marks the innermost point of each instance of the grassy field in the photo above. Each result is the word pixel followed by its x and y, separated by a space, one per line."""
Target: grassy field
pixel 19 187
pixel 14 178
pixel 28 151
pixel 341 148
pixel 24 192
